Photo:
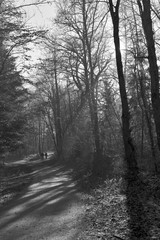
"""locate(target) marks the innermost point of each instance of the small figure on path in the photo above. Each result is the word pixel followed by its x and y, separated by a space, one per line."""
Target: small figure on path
pixel 42 155
pixel 46 155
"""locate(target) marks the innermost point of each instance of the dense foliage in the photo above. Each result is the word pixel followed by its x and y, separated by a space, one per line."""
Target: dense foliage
pixel 12 93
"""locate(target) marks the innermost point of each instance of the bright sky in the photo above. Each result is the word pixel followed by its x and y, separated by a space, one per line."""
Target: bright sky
pixel 38 16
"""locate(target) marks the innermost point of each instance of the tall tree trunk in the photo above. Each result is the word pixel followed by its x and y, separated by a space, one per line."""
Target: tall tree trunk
pixel 90 87
pixel 147 116
pixel 145 14
pixel 128 144
pixel 58 111
pixel 142 135
pixel 39 136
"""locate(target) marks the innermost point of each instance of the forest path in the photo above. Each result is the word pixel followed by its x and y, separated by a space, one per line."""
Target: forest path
pixel 49 209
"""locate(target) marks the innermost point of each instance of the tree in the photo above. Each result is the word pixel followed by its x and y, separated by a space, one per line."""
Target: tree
pixel 12 93
pixel 126 131
pixel 138 85
pixel 110 124
pixel 85 43
pixel 52 95
pixel 12 99
pixel 14 32
pixel 145 13
pixel 14 36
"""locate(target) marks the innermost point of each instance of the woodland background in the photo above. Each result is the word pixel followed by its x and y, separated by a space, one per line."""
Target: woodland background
pixel 87 89
pixel 93 95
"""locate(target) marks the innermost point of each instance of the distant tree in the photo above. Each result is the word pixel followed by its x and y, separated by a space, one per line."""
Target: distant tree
pixel 84 23
pixel 110 122
pixel 38 137
pixel 14 36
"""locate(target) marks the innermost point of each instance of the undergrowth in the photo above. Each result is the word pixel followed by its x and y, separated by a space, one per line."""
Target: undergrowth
pixel 13 179
pixel 123 208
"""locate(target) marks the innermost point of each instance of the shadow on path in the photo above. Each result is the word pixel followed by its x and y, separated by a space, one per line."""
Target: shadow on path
pixel 48 209
pixel 138 223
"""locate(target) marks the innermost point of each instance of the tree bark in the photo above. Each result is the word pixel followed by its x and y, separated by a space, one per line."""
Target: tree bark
pixel 39 135
pixel 127 140
pixel 90 86
pixel 145 14
pixel 58 111
pixel 147 116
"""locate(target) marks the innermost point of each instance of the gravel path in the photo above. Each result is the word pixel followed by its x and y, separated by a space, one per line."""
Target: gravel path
pixel 50 208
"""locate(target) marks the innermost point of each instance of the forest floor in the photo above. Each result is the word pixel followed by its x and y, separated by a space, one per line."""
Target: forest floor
pixel 119 208
pixel 124 209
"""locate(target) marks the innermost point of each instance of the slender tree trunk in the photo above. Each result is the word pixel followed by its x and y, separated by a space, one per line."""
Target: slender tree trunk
pixel 90 86
pixel 58 111
pixel 70 104
pixel 51 130
pixel 145 13
pixel 128 144
pixel 148 119
pixel 142 135
pixel 91 83
pixel 39 136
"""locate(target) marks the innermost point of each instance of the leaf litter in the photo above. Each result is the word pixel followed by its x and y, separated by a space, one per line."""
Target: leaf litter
pixel 120 208
pixel 123 208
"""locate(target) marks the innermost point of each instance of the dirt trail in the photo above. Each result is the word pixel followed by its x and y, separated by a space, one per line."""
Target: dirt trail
pixel 50 208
